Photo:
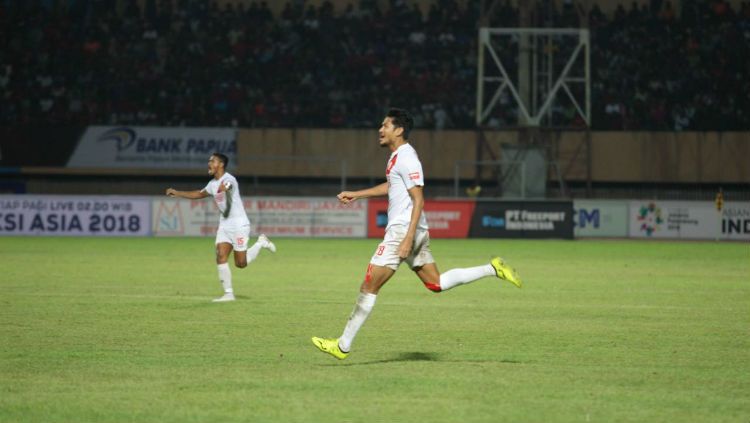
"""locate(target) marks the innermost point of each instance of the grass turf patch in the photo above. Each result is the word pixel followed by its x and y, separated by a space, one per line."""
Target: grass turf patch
pixel 109 330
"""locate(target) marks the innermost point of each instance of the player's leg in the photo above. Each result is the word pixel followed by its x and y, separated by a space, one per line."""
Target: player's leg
pixel 239 237
pixel 244 256
pixel 435 282
pixel 383 265
pixel 223 249
pixel 423 264
pixel 428 273
pixel 375 278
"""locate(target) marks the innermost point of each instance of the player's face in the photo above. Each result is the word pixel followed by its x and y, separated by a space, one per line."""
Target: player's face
pixel 388 133
pixel 214 164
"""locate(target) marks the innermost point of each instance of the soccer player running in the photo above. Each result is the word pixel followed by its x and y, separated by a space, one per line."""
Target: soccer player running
pixel 234 226
pixel 407 237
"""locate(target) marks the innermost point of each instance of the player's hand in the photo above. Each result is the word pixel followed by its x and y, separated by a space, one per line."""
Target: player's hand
pixel 225 186
pixel 346 197
pixel 404 249
pixel 171 192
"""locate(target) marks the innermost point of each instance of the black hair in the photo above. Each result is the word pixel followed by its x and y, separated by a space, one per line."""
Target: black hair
pixel 222 158
pixel 401 119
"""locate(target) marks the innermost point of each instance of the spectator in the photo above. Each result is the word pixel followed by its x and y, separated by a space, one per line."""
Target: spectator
pixel 193 62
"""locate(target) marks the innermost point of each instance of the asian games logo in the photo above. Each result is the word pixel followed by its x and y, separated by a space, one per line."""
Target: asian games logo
pixel 650 218
pixel 124 137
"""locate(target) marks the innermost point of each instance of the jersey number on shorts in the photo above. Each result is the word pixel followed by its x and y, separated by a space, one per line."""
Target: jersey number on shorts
pixel 240 241
pixel 381 248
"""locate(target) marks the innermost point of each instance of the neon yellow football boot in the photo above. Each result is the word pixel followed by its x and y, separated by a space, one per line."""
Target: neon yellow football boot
pixel 503 271
pixel 330 346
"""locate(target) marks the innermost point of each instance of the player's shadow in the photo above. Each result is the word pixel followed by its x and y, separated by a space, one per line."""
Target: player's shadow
pixel 419 356
pixel 400 357
pixel 205 302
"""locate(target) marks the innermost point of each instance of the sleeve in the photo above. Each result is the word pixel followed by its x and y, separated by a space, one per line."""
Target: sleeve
pixel 232 181
pixel 411 172
pixel 208 189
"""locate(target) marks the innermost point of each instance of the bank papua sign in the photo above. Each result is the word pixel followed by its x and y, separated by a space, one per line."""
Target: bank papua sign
pixel 151 147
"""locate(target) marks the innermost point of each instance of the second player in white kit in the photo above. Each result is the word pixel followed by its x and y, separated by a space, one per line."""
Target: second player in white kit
pixel 234 226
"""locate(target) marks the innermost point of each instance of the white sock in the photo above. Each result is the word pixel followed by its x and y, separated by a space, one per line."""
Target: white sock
pixel 225 277
pixel 455 277
pixel 252 252
pixel 365 303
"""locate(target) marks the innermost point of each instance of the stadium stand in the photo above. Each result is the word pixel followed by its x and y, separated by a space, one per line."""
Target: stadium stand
pixel 198 63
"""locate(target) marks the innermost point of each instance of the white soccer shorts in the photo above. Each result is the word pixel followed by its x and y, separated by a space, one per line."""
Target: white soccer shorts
pixel 386 254
pixel 237 236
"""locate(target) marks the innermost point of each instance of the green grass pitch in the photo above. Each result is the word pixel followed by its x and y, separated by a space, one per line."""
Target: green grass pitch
pixel 113 330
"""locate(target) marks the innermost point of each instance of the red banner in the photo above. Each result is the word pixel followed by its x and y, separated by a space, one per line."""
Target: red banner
pixel 446 219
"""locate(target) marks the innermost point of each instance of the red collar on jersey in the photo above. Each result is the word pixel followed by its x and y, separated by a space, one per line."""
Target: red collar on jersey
pixel 391 164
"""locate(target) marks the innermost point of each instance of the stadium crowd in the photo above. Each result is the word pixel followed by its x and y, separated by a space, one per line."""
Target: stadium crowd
pixel 191 62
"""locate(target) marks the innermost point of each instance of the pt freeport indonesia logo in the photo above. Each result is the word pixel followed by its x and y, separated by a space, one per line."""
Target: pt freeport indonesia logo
pixel 524 220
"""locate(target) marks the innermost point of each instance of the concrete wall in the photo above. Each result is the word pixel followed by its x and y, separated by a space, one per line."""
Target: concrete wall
pixel 364 157
pixel 667 157
pixel 671 157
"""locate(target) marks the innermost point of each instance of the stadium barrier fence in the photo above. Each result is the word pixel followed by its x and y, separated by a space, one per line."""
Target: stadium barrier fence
pixel 325 217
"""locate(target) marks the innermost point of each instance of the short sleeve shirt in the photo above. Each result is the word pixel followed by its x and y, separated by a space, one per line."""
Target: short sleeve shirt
pixel 403 171
pixel 237 216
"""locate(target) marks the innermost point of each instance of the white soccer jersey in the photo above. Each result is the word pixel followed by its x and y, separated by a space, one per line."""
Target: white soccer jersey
pixel 404 171
pixel 237 216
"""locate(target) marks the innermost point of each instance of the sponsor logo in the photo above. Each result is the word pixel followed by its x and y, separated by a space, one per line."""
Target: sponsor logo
pixel 735 221
pixel 530 220
pixel 650 219
pixel 381 219
pixel 442 219
pixel 527 219
pixel 493 222
pixel 169 218
pixel 123 137
pixel 414 176
pixel 166 141
pixel 584 217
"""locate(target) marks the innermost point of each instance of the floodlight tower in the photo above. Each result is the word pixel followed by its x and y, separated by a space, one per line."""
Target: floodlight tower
pixel 528 78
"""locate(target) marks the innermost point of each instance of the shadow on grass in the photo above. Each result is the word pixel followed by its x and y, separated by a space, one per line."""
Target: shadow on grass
pixel 205 301
pixel 418 356
pixel 400 357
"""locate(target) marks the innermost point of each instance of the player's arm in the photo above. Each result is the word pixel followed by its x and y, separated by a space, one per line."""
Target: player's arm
pixel 192 195
pixel 417 198
pixel 347 197
pixel 227 186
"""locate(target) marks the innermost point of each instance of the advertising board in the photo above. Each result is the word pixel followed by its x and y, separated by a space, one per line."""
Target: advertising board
pixel 600 218
pixel 446 218
pixel 152 147
pixel 65 215
pixel 689 220
pixel 523 219
pixel 273 216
